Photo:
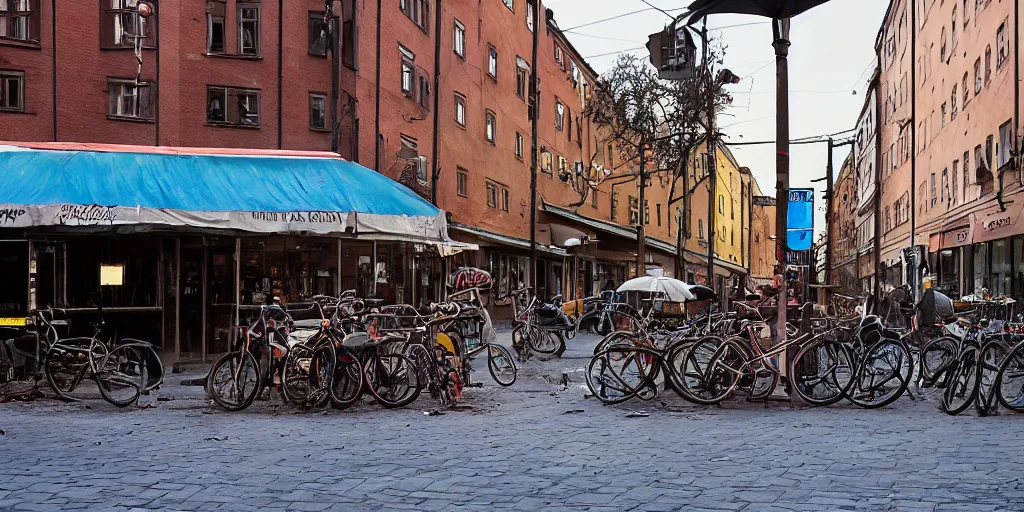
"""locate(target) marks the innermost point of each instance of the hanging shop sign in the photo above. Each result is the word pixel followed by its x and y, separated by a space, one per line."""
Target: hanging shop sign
pixel 956 237
pixel 800 219
pixel 995 223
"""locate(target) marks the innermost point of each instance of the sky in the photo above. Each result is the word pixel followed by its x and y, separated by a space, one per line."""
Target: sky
pixel 830 62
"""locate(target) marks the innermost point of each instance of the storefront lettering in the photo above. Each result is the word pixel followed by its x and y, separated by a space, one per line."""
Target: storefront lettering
pixel 84 213
pixel 307 217
pixel 10 215
pixel 961 237
pixel 997 223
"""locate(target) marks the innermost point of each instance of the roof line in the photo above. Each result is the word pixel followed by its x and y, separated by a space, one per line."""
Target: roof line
pixel 167 150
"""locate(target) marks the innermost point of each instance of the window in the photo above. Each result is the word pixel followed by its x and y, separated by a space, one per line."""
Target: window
pixel 559 56
pixel 559 115
pixel 489 123
pixel 944 191
pixel 232 106
pixel 418 11
pixel 216 14
pixel 1005 143
pixel 593 198
pixel 700 229
pixel 967 15
pixel 647 212
pixel 424 99
pixel 952 103
pixel 461 178
pixel 563 165
pixel 128 100
pixel 952 187
pixel 721 205
pixel 988 152
pixel 510 4
pixel 498 196
pixel 492 195
pixel 522 77
pixel 408 71
pixel 318 37
pixel 459 39
pixel 1002 46
pixel 12 91
pixel 19 20
pixel 988 64
pixel 942 46
pixel 967 90
pixel 953 37
pixel 349 35
pixel 546 162
pixel 492 61
pixel 317 111
pixel 658 207
pixel 249 29
pixel 529 16
pixel 977 77
pixel 888 220
pixel 120 25
pixel 460 109
pixel 943 110
pixel 634 211
pixel 519 145
pixel 967 175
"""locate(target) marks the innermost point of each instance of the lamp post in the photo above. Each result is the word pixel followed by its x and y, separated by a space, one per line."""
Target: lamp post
pixel 780 30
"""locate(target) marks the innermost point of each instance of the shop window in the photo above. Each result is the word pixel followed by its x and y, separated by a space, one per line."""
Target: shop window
pixel 1001 272
pixel 461 180
pixel 128 100
pixel 19 20
pixel 418 11
pixel 492 61
pixel 980 276
pixel 12 91
pixel 317 111
pixel 511 273
pixel 138 259
pixel 459 39
pixel 232 106
pixel 1018 268
pixel 293 269
pixel 14 269
pixel 319 42
pixel 121 25
pixel 949 271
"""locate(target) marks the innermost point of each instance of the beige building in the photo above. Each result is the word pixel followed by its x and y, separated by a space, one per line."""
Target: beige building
pixel 845 271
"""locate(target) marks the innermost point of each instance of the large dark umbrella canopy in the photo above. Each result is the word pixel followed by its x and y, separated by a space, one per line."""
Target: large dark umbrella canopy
pixel 777 9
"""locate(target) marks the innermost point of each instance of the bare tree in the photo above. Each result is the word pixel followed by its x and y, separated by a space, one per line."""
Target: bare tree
pixel 654 124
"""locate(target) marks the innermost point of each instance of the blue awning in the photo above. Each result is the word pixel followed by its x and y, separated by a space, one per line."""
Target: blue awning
pixel 257 191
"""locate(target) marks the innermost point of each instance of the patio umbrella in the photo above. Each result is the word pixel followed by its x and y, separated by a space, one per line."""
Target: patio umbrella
pixel 673 290
pixel 777 9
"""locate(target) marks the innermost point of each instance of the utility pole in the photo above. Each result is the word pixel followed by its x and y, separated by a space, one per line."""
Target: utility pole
pixel 376 109
pixel 534 114
pixel 781 45
pixel 915 286
pixel 829 218
pixel 641 231
pixel 434 170
pixel 712 150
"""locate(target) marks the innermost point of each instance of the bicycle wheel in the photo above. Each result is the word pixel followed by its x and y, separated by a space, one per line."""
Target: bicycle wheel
pixel 321 374
pixel 545 341
pixel 881 375
pixel 347 382
pixel 617 374
pixel 234 381
pixel 150 357
pixel 937 357
pixel 120 375
pixel 500 365
pixel 614 339
pixel 65 365
pixel 295 374
pixel 821 372
pixel 711 369
pixel 989 361
pixel 1010 379
pixel 392 379
pixel 962 385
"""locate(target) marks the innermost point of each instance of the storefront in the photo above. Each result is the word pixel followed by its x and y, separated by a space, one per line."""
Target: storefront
pixel 192 239
pixel 983 258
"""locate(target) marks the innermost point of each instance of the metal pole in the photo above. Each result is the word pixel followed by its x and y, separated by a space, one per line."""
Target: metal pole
pixel 376 110
pixel 534 114
pixel 781 44
pixel 829 220
pixel 434 171
pixel 913 149
pixel 712 151
pixel 641 231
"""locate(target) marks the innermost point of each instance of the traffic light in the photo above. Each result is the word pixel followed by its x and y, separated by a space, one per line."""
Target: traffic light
pixel 673 52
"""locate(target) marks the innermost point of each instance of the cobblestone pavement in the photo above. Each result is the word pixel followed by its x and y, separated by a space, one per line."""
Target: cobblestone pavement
pixel 536 446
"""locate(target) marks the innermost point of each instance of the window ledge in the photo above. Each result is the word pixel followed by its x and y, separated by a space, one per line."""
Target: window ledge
pixel 232 56
pixel 128 119
pixel 19 112
pixel 317 55
pixel 20 43
pixel 228 125
pixel 320 130
pixel 124 48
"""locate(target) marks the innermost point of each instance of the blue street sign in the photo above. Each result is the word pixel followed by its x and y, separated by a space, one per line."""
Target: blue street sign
pixel 800 219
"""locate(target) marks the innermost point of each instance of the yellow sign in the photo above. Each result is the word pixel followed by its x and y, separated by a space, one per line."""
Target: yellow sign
pixel 111 275
pixel 13 322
